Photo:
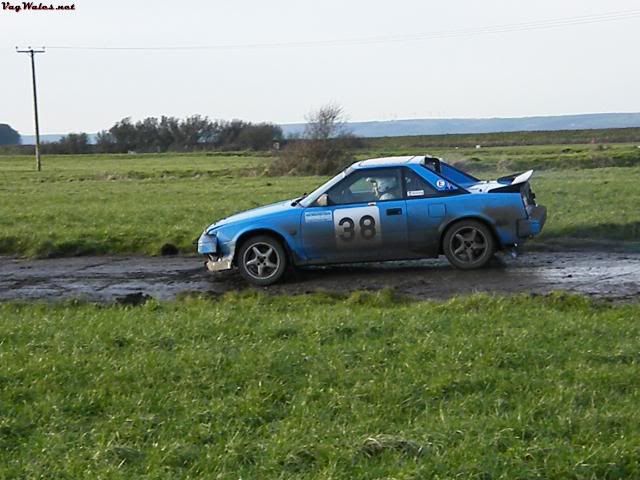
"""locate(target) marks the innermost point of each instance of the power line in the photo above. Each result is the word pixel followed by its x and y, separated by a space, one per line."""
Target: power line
pixel 411 37
pixel 32 53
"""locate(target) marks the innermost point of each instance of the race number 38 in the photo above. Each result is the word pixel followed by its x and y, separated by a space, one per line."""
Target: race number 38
pixel 357 227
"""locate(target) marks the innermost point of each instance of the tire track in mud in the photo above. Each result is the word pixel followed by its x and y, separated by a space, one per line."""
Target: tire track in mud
pixel 607 275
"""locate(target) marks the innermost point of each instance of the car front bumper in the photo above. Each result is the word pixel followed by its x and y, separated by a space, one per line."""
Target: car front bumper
pixel 208 245
pixel 214 264
pixel 533 225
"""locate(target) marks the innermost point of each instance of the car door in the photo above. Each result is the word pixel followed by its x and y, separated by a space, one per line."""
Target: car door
pixel 365 219
pixel 426 211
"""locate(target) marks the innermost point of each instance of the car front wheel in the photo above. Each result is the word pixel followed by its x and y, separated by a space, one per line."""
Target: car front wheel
pixel 469 244
pixel 262 260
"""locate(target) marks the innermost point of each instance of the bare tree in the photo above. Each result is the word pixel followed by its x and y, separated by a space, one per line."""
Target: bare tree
pixel 325 146
pixel 325 123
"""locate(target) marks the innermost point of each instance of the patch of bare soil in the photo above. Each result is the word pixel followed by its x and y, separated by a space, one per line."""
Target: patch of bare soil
pixel 608 275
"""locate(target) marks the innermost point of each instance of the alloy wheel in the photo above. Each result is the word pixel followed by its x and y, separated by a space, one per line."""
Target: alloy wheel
pixel 261 260
pixel 468 244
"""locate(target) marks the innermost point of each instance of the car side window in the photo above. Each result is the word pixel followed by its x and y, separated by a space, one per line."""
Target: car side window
pixel 416 186
pixel 367 186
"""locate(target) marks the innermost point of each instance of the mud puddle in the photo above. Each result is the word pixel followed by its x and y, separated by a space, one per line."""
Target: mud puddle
pixel 109 279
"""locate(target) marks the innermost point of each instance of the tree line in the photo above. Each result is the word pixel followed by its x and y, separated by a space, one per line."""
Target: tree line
pixel 166 134
pixel 325 145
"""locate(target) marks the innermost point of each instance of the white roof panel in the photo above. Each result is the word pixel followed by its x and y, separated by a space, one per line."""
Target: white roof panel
pixel 384 162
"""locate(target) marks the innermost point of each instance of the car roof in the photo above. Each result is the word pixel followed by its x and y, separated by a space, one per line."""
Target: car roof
pixel 390 161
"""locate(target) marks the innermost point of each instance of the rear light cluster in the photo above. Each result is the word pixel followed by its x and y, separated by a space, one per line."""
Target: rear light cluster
pixel 528 197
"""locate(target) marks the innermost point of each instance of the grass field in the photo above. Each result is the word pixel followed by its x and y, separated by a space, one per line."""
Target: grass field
pixel 98 204
pixel 117 204
pixel 539 157
pixel 368 386
pixel 321 387
pixel 555 137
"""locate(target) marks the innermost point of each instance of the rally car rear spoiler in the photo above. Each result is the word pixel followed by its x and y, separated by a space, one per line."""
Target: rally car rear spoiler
pixel 516 178
pixel 512 183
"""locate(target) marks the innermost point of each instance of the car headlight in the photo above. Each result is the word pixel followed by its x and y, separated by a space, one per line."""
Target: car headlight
pixel 207 243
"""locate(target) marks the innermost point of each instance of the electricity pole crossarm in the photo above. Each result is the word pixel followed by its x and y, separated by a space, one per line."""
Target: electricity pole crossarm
pixel 32 52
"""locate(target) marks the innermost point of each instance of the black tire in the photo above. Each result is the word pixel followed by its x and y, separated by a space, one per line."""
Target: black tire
pixel 468 244
pixel 262 260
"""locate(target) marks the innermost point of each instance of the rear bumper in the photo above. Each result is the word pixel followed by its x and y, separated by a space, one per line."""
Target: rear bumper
pixel 533 225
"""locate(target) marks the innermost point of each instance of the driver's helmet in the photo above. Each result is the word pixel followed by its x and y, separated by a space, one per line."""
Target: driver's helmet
pixel 386 184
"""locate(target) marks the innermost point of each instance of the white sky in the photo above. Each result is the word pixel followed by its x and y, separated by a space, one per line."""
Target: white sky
pixel 570 69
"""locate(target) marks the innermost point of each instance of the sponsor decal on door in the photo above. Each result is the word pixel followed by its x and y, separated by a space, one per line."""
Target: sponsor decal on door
pixel 321 216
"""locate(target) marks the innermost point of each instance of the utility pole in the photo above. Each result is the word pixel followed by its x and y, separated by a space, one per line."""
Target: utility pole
pixel 32 53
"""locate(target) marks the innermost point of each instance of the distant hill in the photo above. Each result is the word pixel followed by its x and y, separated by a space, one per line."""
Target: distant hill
pixel 443 126
pixel 401 128
pixel 31 139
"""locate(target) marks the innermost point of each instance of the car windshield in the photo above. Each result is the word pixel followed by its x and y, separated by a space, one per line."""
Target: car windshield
pixel 313 196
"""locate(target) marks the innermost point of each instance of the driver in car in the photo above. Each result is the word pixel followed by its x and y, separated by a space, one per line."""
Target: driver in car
pixel 386 188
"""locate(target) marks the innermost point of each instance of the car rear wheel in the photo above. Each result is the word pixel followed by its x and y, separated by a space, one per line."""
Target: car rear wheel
pixel 262 260
pixel 469 244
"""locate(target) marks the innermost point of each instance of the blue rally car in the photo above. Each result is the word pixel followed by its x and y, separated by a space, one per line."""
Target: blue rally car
pixel 382 209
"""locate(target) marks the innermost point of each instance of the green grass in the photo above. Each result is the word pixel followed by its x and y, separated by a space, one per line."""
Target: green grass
pixel 517 158
pixel 98 204
pixel 590 205
pixel 321 387
pixel 558 137
pixel 122 204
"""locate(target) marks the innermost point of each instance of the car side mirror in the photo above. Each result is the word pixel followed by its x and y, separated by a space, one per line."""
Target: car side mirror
pixel 323 200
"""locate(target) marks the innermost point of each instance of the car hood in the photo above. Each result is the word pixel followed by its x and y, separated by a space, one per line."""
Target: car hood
pixel 488 186
pixel 252 214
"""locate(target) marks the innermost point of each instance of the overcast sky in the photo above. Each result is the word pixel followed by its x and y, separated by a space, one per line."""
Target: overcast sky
pixel 583 68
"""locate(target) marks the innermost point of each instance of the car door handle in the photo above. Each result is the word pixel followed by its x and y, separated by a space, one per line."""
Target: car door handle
pixel 394 211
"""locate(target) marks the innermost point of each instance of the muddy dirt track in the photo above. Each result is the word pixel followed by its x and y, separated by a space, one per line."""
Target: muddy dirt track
pixel 108 279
